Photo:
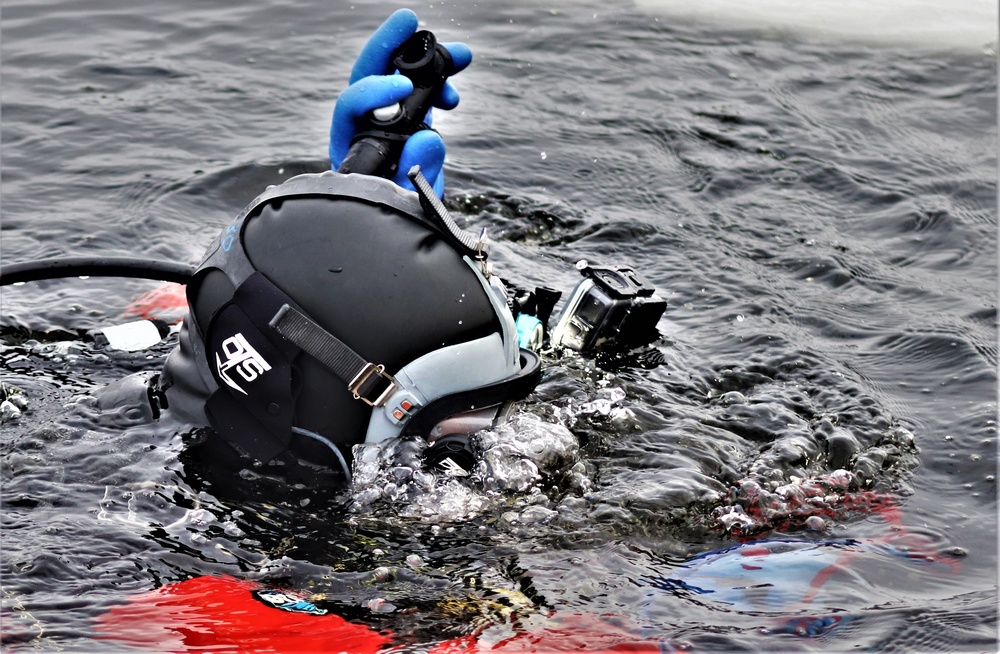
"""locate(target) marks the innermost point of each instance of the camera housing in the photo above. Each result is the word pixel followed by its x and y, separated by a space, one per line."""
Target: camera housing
pixel 609 310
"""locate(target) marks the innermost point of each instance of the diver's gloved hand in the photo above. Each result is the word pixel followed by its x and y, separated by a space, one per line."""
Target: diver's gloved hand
pixel 374 85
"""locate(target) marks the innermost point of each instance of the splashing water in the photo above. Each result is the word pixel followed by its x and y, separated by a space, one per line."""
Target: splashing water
pixel 516 464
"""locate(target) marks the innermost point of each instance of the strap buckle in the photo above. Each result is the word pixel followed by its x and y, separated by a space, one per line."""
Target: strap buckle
pixel 362 378
pixel 482 252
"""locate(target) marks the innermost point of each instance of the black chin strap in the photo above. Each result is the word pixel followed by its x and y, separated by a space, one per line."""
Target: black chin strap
pixel 363 377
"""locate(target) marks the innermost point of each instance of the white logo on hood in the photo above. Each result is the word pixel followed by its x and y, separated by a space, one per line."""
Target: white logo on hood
pixel 241 356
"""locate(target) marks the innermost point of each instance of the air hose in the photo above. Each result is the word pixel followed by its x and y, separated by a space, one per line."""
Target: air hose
pixel 32 271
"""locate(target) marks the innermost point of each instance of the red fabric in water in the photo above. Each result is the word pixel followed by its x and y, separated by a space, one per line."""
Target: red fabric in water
pixel 167 302
pixel 219 614
pixel 567 632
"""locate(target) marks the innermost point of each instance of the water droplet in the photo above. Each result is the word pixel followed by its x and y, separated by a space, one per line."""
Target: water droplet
pixel 379 605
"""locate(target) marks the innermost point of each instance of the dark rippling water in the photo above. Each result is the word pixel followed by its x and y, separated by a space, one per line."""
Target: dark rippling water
pixel 820 217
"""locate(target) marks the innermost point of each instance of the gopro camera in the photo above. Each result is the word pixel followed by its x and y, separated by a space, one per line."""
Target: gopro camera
pixel 610 309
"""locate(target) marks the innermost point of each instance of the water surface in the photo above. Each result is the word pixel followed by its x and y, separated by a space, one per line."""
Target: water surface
pixel 819 213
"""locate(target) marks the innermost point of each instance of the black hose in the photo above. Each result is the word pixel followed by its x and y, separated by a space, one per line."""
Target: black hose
pixel 32 271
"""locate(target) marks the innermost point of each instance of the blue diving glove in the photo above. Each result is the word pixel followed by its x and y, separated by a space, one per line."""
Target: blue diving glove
pixel 373 84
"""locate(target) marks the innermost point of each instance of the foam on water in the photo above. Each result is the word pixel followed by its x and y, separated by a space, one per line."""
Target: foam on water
pixel 518 464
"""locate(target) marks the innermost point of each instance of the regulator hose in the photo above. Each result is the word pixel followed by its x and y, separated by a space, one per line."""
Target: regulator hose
pixel 32 271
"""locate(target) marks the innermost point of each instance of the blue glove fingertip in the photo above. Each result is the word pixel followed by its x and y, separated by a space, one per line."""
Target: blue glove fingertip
pixel 426 149
pixel 447 97
pixel 461 55
pixel 376 55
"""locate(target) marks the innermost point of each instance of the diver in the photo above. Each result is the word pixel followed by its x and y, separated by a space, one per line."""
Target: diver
pixel 348 307
pixel 341 307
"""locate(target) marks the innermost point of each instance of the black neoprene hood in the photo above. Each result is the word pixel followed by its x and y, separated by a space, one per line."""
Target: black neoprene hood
pixel 356 258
